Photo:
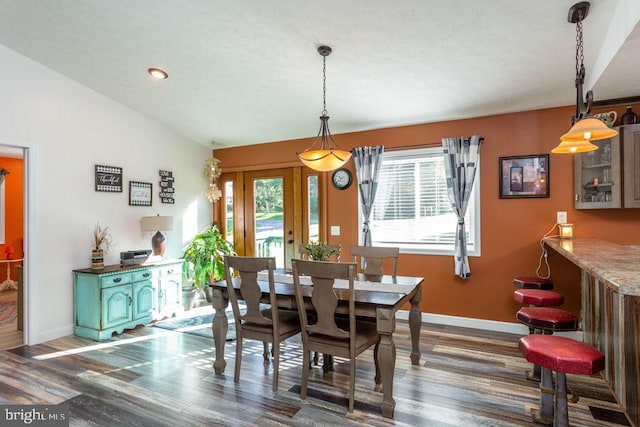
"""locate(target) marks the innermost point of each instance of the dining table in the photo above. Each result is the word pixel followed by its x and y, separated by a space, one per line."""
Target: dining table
pixel 376 297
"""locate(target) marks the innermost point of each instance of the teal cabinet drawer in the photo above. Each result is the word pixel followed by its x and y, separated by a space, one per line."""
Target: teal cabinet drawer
pixel 115 280
pixel 139 276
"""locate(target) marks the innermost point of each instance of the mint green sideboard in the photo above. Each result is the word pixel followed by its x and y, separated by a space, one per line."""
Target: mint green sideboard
pixel 116 298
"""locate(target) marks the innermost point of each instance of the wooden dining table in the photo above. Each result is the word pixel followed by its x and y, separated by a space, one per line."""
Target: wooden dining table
pixel 378 298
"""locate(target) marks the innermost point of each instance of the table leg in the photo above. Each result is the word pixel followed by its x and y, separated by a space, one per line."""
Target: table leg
pixel 415 323
pixel 386 325
pixel 219 326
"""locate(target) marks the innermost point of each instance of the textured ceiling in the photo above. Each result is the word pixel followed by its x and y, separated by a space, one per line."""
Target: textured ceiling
pixel 246 72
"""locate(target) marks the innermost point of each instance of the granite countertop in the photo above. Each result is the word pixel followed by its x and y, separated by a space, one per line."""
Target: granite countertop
pixel 617 266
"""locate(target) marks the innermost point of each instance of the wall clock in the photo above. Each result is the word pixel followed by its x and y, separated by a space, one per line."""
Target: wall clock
pixel 342 179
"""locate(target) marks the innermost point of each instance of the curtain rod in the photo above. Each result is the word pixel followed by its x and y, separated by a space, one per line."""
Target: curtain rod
pixel 404 147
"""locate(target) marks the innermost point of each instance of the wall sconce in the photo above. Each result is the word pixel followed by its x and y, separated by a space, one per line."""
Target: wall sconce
pixel 566 231
pixel 157 223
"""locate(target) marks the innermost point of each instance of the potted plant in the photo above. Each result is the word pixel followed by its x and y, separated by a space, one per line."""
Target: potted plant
pixel 204 259
pixel 319 251
pixel 102 242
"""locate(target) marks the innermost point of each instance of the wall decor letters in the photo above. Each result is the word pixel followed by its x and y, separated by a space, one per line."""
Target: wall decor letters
pixel 109 179
pixel 166 187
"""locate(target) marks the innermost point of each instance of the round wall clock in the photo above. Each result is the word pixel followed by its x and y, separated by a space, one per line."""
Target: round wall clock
pixel 342 179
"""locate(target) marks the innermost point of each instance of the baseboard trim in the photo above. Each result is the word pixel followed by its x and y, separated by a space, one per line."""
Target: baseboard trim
pixel 482 324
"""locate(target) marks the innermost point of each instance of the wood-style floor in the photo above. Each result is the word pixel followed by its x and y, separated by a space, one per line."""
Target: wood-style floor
pixel 155 377
pixel 10 336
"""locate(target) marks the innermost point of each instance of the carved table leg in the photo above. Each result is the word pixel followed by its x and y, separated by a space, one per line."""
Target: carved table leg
pixel 386 325
pixel 415 322
pixel 219 326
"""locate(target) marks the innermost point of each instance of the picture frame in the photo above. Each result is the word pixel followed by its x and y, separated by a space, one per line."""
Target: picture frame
pixel 108 179
pixel 524 176
pixel 140 193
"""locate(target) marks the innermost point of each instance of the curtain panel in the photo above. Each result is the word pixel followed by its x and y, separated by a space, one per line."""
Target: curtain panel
pixel 461 161
pixel 368 161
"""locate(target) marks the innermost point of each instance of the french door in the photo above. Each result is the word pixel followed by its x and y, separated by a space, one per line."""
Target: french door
pixel 271 212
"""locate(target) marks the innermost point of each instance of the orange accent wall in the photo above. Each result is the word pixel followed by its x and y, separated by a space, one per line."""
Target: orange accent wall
pixel 14 223
pixel 511 228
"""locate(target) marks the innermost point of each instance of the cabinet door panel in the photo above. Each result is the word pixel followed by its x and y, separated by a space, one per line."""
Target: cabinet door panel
pixel 116 305
pixel 142 299
pixel 171 292
pixel 631 138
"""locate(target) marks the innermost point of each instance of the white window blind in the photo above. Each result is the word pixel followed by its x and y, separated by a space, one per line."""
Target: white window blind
pixel 412 209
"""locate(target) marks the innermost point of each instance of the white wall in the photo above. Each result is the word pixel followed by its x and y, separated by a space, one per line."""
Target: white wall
pixel 72 128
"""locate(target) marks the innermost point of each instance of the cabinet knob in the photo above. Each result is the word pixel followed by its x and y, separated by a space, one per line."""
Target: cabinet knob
pixel 117 279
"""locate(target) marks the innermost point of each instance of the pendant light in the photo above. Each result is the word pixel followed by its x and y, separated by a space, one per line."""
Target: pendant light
pixel 324 154
pixel 585 128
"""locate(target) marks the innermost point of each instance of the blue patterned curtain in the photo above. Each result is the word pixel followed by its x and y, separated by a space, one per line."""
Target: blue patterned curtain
pixel 368 161
pixel 461 161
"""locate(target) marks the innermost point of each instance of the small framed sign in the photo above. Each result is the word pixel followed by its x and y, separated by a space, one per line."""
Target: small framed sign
pixel 140 193
pixel 109 179
pixel 524 176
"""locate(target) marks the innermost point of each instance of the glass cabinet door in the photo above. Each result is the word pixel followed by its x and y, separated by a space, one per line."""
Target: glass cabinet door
pixel 598 182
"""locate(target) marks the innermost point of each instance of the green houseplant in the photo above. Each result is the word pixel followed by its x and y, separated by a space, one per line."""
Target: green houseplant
pixel 319 251
pixel 204 258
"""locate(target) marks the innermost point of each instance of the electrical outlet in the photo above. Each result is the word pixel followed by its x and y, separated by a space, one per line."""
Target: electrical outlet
pixel 561 217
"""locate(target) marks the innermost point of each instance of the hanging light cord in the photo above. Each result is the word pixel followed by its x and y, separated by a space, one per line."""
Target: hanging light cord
pixel 324 85
pixel 544 256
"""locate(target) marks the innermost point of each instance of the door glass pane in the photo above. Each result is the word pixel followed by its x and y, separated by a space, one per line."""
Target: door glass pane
pixel 313 212
pixel 228 210
pixel 269 218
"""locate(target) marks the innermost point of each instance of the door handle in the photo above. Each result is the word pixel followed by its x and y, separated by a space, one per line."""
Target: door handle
pixel 290 241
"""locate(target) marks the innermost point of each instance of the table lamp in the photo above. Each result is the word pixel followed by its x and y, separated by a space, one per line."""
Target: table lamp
pixel 157 223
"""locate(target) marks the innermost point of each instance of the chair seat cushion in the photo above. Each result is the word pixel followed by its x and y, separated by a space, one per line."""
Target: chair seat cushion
pixel 538 297
pixel 288 321
pixel 561 354
pixel 366 334
pixel 548 318
pixel 525 282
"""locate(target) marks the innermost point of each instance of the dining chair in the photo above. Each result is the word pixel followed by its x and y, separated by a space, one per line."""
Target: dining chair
pixel 331 333
pixel 372 257
pixel 304 253
pixel 269 325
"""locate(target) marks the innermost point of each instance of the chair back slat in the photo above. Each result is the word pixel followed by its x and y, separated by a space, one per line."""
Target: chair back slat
pixel 373 257
pixel 247 269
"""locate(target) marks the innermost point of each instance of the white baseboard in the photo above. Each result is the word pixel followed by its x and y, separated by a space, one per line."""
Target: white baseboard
pixel 482 324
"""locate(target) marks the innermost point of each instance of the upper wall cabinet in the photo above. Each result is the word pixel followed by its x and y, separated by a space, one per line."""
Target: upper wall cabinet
pixel 610 176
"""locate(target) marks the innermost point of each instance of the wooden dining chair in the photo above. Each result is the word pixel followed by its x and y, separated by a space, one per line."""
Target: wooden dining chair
pixel 372 257
pixel 304 253
pixel 269 325
pixel 331 333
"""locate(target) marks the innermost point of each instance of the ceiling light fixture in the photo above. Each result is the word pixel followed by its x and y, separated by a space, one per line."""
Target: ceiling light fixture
pixel 158 74
pixel 328 156
pixel 585 127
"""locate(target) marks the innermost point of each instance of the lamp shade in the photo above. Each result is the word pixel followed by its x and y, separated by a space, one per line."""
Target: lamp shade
pixel 324 160
pixel 589 128
pixel 570 147
pixel 156 223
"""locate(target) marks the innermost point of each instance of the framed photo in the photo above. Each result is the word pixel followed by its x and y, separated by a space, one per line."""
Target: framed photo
pixel 524 176
pixel 109 179
pixel 140 193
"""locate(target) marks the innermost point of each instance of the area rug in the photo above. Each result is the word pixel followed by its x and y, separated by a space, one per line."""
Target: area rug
pixel 197 322
pixel 8 311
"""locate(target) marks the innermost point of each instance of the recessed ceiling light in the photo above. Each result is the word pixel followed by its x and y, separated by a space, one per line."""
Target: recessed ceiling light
pixel 158 74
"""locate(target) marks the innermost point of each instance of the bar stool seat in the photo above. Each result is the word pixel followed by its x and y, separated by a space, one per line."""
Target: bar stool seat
pixel 564 356
pixel 548 319
pixel 538 298
pixel 525 282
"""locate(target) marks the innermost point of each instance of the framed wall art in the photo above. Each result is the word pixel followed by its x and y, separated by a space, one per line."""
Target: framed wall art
pixel 524 176
pixel 109 179
pixel 140 193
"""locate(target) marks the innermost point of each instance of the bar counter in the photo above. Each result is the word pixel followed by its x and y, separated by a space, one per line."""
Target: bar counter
pixel 610 313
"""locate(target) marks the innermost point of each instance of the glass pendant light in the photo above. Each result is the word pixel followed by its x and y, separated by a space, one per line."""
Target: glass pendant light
pixel 324 154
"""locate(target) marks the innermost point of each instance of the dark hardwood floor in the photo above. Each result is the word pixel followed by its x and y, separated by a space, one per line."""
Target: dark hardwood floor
pixel 155 377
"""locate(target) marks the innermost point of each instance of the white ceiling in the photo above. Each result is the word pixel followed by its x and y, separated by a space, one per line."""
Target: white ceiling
pixel 246 72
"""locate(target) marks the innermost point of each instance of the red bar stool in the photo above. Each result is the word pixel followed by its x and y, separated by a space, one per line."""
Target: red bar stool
pixel 538 297
pixel 525 282
pixel 564 356
pixel 548 320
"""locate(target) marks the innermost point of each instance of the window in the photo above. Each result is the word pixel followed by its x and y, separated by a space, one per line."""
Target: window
pixel 412 208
